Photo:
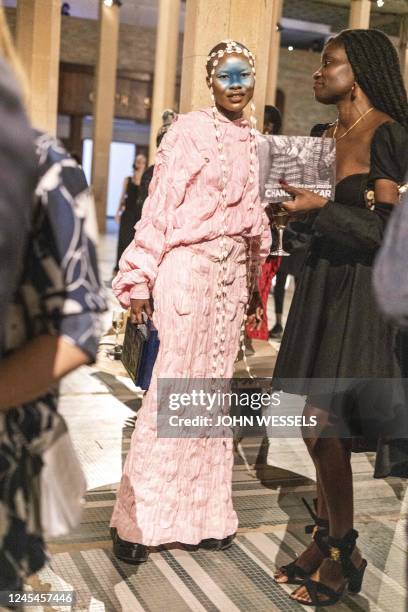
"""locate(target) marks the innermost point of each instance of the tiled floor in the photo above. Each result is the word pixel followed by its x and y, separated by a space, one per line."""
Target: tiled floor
pixel 270 477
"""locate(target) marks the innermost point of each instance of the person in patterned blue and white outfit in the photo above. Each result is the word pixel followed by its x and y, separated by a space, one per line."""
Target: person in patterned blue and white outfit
pixel 52 328
pixel 50 318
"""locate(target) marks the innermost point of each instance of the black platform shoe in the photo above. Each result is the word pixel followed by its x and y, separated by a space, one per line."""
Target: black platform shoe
pixel 340 551
pixel 320 533
pixel 127 551
pixel 214 544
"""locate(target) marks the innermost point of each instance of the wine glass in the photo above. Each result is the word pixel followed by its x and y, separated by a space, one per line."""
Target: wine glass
pixel 118 319
pixel 280 219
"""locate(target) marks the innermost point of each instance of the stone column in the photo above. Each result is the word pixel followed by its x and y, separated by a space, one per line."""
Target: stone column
pixel 38 43
pixel 104 106
pixel 165 66
pixel 403 48
pixel 359 14
pixel 274 51
pixel 210 21
pixel 75 135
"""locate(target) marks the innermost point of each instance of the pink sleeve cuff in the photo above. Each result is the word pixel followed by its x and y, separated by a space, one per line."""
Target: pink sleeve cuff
pixel 139 292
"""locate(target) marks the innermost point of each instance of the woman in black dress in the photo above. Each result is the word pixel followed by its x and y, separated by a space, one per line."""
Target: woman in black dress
pixel 129 210
pixel 335 333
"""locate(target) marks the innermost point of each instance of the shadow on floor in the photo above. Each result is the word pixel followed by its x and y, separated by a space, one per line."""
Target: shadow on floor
pixel 120 390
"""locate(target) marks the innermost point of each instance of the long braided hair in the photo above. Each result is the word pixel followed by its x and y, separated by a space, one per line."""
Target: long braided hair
pixel 377 70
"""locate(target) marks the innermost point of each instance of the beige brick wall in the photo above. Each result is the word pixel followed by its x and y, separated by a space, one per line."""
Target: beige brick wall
pixel 79 45
pixel 295 80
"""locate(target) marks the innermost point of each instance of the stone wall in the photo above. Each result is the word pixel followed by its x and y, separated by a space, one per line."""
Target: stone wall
pixel 301 111
pixel 79 45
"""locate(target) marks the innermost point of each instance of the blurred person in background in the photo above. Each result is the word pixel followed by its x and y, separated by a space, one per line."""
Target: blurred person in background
pixel 259 331
pixel 296 245
pixel 128 212
pixel 136 190
pixel 283 266
pixel 272 120
pixel 51 327
pixel 66 9
pixel 168 117
pixel 390 275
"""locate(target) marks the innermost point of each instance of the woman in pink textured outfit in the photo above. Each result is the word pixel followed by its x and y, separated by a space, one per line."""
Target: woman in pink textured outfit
pixel 189 253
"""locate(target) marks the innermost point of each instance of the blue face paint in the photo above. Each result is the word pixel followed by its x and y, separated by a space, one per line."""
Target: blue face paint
pixel 233 72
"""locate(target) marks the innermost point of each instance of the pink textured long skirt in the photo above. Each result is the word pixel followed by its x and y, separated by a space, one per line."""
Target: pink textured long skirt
pixel 179 489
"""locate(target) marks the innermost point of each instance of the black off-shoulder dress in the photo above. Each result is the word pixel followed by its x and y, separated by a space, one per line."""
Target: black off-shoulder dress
pixel 335 332
pixel 128 219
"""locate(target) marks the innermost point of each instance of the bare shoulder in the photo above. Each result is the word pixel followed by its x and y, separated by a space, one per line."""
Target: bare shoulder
pixel 380 117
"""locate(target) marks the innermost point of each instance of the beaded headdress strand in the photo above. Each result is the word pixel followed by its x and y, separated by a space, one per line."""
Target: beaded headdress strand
pixel 218 361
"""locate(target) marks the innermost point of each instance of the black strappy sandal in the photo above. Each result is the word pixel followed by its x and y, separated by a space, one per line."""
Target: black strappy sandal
pixel 319 532
pixel 340 550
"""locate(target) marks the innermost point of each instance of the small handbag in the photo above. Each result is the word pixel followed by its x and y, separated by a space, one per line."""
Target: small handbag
pixel 139 353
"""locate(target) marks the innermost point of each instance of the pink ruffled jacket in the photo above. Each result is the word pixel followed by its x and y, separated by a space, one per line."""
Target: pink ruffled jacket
pixel 183 206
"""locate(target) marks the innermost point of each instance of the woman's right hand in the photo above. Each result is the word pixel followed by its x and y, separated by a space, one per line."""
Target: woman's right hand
pixel 136 309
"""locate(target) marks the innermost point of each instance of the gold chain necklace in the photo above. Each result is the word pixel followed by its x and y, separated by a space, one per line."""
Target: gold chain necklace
pixel 352 127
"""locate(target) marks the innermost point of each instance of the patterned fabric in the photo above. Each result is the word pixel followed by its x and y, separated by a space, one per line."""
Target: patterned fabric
pixel 183 206
pixel 268 271
pixel 178 489
pixel 59 294
pixel 296 160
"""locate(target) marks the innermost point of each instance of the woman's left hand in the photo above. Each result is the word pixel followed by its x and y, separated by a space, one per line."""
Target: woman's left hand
pixel 304 200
